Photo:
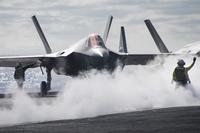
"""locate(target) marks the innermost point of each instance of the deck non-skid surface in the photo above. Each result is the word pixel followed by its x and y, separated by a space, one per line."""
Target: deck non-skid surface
pixel 168 120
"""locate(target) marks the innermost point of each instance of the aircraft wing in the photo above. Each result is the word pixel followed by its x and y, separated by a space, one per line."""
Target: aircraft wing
pixel 192 48
pixel 135 59
pixel 140 59
pixel 11 61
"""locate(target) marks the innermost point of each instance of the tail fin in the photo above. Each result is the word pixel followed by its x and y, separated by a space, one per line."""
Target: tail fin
pixel 41 34
pixel 107 29
pixel 161 46
pixel 122 42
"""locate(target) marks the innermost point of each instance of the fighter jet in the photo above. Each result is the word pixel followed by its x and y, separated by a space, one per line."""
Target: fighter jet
pixel 190 49
pixel 89 53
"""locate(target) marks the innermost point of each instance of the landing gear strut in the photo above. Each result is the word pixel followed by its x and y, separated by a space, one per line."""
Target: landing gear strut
pixel 46 86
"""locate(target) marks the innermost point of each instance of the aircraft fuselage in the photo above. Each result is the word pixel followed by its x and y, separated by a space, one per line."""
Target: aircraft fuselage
pixel 77 63
pixel 90 54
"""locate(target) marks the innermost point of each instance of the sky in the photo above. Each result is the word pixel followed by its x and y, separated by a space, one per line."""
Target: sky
pixel 65 22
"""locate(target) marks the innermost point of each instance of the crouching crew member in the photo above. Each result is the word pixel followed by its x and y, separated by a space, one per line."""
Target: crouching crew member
pixel 19 74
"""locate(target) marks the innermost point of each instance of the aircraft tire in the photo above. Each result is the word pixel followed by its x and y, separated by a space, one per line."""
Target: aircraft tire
pixel 43 88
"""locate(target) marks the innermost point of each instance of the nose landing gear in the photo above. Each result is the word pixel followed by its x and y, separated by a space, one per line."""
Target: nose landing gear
pixel 46 86
pixel 43 88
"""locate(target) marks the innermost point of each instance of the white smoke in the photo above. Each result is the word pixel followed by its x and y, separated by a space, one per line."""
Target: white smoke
pixel 135 88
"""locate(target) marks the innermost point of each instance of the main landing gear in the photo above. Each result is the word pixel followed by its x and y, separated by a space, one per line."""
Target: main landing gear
pixel 45 86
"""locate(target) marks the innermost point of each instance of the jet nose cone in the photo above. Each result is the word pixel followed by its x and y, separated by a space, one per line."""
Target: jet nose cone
pixel 101 52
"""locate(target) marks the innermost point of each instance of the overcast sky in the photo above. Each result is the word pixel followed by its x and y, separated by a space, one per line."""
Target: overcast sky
pixel 64 22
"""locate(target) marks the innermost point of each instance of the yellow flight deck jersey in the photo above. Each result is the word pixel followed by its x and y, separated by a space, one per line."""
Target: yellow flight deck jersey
pixel 182 75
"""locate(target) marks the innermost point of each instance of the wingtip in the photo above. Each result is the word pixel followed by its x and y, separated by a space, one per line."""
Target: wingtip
pixel 147 20
pixel 33 17
pixel 122 27
pixel 111 16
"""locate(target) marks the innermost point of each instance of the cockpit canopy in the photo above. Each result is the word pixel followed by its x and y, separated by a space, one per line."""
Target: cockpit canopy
pixel 95 40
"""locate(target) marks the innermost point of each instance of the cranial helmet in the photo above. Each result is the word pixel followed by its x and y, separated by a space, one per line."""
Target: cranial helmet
pixel 18 65
pixel 181 62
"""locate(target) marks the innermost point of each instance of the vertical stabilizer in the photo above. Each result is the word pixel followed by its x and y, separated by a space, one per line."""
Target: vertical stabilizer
pixel 41 34
pixel 107 29
pixel 161 46
pixel 122 42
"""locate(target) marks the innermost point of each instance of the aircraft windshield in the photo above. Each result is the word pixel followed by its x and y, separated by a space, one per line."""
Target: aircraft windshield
pixel 95 41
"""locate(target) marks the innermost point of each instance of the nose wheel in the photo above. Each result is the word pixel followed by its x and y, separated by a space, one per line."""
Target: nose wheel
pixel 45 86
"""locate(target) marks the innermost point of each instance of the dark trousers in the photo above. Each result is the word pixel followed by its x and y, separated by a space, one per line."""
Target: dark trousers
pixel 182 82
pixel 20 83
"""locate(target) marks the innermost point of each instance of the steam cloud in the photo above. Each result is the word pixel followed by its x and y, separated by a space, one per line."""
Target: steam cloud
pixel 136 88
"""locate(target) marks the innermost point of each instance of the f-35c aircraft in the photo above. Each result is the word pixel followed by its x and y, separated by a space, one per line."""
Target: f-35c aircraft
pixel 89 53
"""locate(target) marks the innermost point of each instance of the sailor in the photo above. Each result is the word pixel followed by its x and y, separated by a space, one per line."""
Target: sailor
pixel 19 74
pixel 180 74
